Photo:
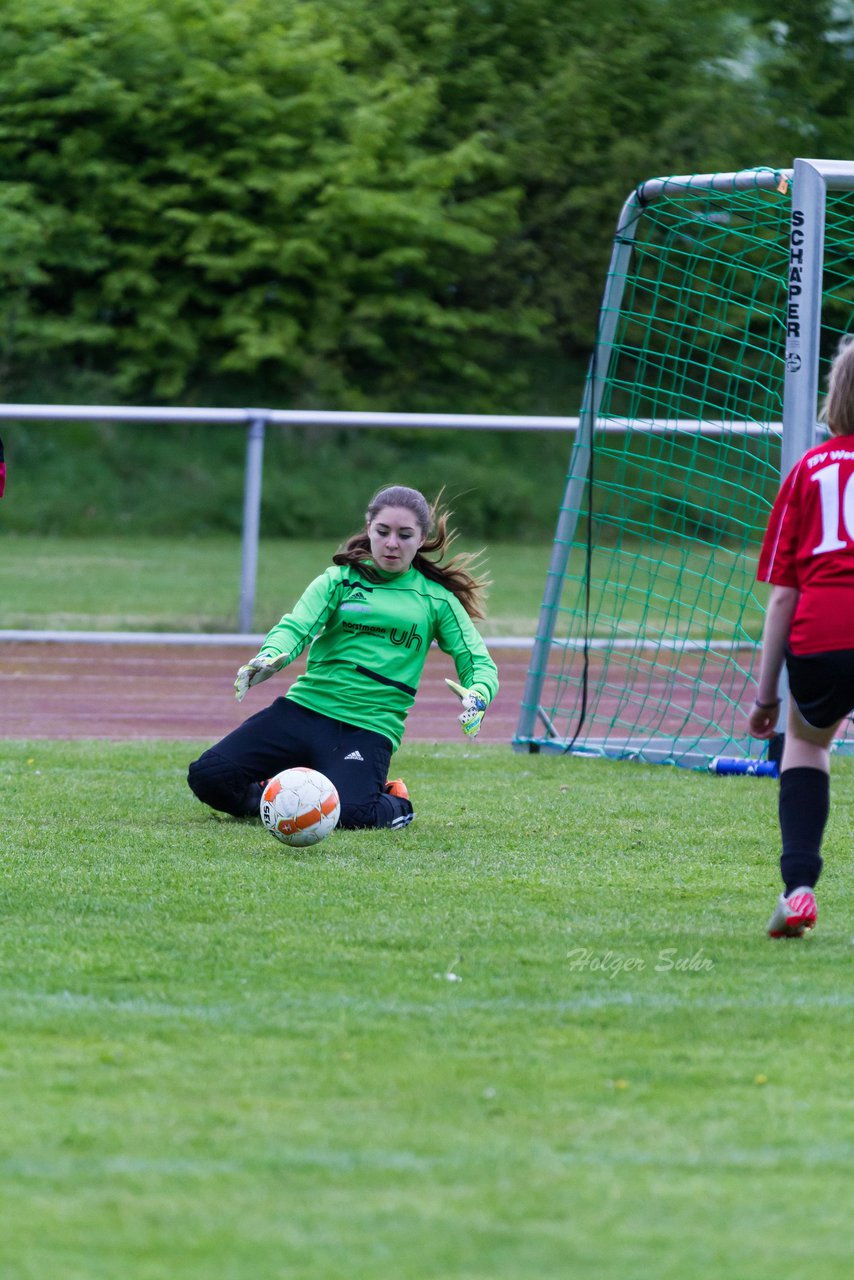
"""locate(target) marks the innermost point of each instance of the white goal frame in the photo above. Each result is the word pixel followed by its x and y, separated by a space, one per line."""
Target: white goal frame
pixel 809 181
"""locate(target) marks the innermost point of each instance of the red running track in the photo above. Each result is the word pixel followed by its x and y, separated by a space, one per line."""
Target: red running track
pixel 125 691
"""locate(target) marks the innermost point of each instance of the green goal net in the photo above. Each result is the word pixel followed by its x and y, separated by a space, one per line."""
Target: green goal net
pixel 648 634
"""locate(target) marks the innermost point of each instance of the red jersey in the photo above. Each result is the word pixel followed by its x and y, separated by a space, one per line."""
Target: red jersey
pixel 809 544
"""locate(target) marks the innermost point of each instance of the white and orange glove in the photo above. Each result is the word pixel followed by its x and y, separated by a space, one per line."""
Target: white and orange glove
pixel 473 708
pixel 254 672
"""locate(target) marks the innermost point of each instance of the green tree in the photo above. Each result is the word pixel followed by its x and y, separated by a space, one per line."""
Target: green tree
pixel 645 88
pixel 806 53
pixel 223 199
pixel 306 202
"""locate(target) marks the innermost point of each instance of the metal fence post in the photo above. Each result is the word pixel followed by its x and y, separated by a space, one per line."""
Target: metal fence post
pixel 251 521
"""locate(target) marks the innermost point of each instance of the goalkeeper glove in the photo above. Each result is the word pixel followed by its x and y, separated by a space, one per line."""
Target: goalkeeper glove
pixel 254 672
pixel 473 708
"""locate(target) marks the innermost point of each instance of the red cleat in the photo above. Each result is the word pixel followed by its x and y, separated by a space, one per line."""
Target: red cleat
pixel 793 915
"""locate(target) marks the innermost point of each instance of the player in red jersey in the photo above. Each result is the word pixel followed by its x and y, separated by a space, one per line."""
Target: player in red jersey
pixel 808 557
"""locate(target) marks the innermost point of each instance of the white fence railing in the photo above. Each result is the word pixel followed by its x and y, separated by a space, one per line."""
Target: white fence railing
pixel 255 422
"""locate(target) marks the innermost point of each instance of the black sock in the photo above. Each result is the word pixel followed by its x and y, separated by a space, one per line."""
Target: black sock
pixel 804 806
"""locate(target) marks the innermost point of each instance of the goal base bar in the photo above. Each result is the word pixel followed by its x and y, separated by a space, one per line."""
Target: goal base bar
pixel 687 753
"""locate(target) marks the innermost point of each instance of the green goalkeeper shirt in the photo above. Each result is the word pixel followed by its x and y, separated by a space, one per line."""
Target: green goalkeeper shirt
pixel 369 642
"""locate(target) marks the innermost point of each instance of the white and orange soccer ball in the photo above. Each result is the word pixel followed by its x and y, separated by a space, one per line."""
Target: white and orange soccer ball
pixel 300 806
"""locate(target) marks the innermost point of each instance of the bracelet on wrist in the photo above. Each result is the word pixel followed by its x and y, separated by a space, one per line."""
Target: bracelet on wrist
pixel 766 706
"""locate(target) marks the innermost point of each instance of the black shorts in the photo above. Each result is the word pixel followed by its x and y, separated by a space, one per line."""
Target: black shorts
pixel 285 734
pixel 822 685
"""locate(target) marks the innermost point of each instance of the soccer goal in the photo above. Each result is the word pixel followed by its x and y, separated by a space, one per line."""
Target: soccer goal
pixel 725 300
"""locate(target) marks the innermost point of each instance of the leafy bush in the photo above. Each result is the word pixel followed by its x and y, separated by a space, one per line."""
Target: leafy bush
pixel 337 204
pixel 98 478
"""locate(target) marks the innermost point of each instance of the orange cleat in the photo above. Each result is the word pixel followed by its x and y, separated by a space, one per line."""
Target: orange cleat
pixel 397 788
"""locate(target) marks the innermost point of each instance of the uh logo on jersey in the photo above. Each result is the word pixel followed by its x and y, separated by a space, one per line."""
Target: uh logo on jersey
pixel 409 638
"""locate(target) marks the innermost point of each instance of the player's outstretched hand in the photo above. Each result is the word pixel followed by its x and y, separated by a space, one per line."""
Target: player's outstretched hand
pixel 253 672
pixel 473 708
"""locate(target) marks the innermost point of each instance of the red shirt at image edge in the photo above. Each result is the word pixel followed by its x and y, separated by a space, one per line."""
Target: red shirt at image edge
pixel 809 544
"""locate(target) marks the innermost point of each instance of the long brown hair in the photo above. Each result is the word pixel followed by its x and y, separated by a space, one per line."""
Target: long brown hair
pixel 838 410
pixel 456 574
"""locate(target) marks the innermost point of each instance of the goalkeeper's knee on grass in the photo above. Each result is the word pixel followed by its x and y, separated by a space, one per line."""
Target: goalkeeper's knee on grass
pixel 216 782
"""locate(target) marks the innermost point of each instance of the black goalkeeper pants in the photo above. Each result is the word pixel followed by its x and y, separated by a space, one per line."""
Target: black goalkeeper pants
pixel 229 775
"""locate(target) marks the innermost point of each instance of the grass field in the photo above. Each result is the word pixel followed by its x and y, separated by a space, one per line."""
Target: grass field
pixel 168 584
pixel 539 1033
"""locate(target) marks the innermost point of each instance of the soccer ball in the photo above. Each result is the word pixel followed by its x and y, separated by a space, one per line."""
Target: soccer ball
pixel 300 806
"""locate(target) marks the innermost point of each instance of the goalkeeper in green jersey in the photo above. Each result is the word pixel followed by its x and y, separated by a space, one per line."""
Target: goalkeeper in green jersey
pixel 369 620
